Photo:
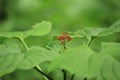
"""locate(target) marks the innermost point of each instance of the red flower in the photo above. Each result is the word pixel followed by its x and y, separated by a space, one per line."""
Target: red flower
pixel 64 38
pixel 68 38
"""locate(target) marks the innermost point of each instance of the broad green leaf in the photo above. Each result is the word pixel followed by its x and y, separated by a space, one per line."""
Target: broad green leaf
pixel 95 62
pixel 36 55
pixel 110 65
pixel 73 60
pixel 11 34
pixel 84 62
pixel 107 62
pixel 104 66
pixel 37 30
pixel 112 29
pixel 107 69
pixel 11 58
pixel 110 48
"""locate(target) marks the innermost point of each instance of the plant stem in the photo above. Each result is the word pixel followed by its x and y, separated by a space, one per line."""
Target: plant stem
pixel 64 74
pixel 22 40
pixel 85 78
pixel 72 77
pixel 46 76
pixel 90 40
pixel 37 68
pixel 64 71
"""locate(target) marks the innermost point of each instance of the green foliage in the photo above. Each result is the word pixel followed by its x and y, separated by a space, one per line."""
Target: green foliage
pixel 91 19
pixel 37 30
pixel 112 29
pixel 85 62
pixel 13 56
pixel 36 55
pixel 112 48
pixel 10 58
pixel 96 32
pixel 73 60
pixel 81 60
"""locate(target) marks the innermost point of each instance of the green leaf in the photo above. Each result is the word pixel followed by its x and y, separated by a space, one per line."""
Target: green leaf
pixel 84 62
pixel 12 58
pixel 36 55
pixel 55 45
pixel 112 29
pixel 110 48
pixel 94 32
pixel 11 34
pixel 107 69
pixel 91 32
pixel 37 30
pixel 73 60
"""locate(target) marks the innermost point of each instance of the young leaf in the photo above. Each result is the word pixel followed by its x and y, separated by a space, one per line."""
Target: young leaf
pixel 37 30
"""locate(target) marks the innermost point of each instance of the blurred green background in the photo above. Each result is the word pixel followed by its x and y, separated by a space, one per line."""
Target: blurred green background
pixel 65 15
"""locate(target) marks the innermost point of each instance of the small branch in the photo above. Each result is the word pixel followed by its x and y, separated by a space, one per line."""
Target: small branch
pixel 72 77
pixel 48 77
pixel 64 74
